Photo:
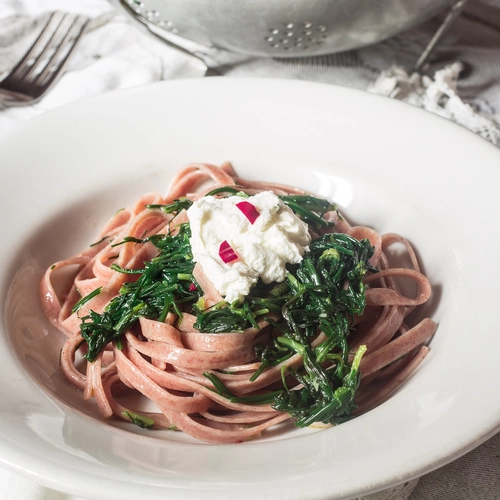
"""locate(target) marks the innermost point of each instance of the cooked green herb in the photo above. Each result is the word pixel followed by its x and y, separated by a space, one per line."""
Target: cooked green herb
pixel 85 299
pixel 323 397
pixel 310 209
pixel 175 207
pixel 228 189
pixel 104 238
pixel 327 290
pixel 157 291
pixel 225 317
pixel 322 293
pixel 220 388
pixel 140 420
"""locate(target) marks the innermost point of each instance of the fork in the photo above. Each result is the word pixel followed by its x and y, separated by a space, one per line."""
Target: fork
pixel 44 62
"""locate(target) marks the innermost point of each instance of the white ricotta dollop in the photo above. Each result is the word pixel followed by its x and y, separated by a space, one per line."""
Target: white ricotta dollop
pixel 276 237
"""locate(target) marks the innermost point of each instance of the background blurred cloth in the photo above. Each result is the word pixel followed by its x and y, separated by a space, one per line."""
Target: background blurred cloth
pixel 117 54
pixel 114 54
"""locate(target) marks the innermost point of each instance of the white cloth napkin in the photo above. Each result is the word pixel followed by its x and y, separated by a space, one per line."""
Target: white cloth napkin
pixel 462 83
pixel 112 54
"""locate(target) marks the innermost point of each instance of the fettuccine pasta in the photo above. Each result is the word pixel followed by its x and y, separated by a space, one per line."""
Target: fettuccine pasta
pixel 229 386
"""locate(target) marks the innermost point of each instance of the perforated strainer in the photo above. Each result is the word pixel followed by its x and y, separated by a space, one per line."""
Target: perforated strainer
pixel 283 28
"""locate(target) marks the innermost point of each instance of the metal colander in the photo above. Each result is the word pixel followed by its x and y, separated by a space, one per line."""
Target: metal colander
pixel 283 28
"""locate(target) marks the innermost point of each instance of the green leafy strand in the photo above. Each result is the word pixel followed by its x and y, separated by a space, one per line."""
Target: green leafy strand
pixel 327 291
pixel 322 293
pixel 161 287
pixel 310 209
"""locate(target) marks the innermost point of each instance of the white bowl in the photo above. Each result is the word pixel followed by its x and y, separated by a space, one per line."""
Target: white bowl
pixel 388 165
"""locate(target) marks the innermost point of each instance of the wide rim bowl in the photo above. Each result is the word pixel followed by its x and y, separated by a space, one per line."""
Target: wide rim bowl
pixel 387 164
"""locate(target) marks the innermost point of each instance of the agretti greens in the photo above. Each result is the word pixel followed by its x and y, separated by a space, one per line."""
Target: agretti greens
pixel 322 293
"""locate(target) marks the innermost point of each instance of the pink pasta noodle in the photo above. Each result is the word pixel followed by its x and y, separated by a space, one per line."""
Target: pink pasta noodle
pixel 167 360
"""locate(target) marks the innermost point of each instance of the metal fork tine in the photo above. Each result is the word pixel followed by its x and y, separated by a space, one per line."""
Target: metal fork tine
pixel 42 40
pixel 53 41
pixel 44 62
pixel 69 43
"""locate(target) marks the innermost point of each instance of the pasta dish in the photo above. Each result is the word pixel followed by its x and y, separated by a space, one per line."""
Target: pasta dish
pixel 234 305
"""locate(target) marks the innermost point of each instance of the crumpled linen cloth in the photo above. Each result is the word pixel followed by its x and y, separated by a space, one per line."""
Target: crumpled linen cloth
pixel 112 54
pixel 462 83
